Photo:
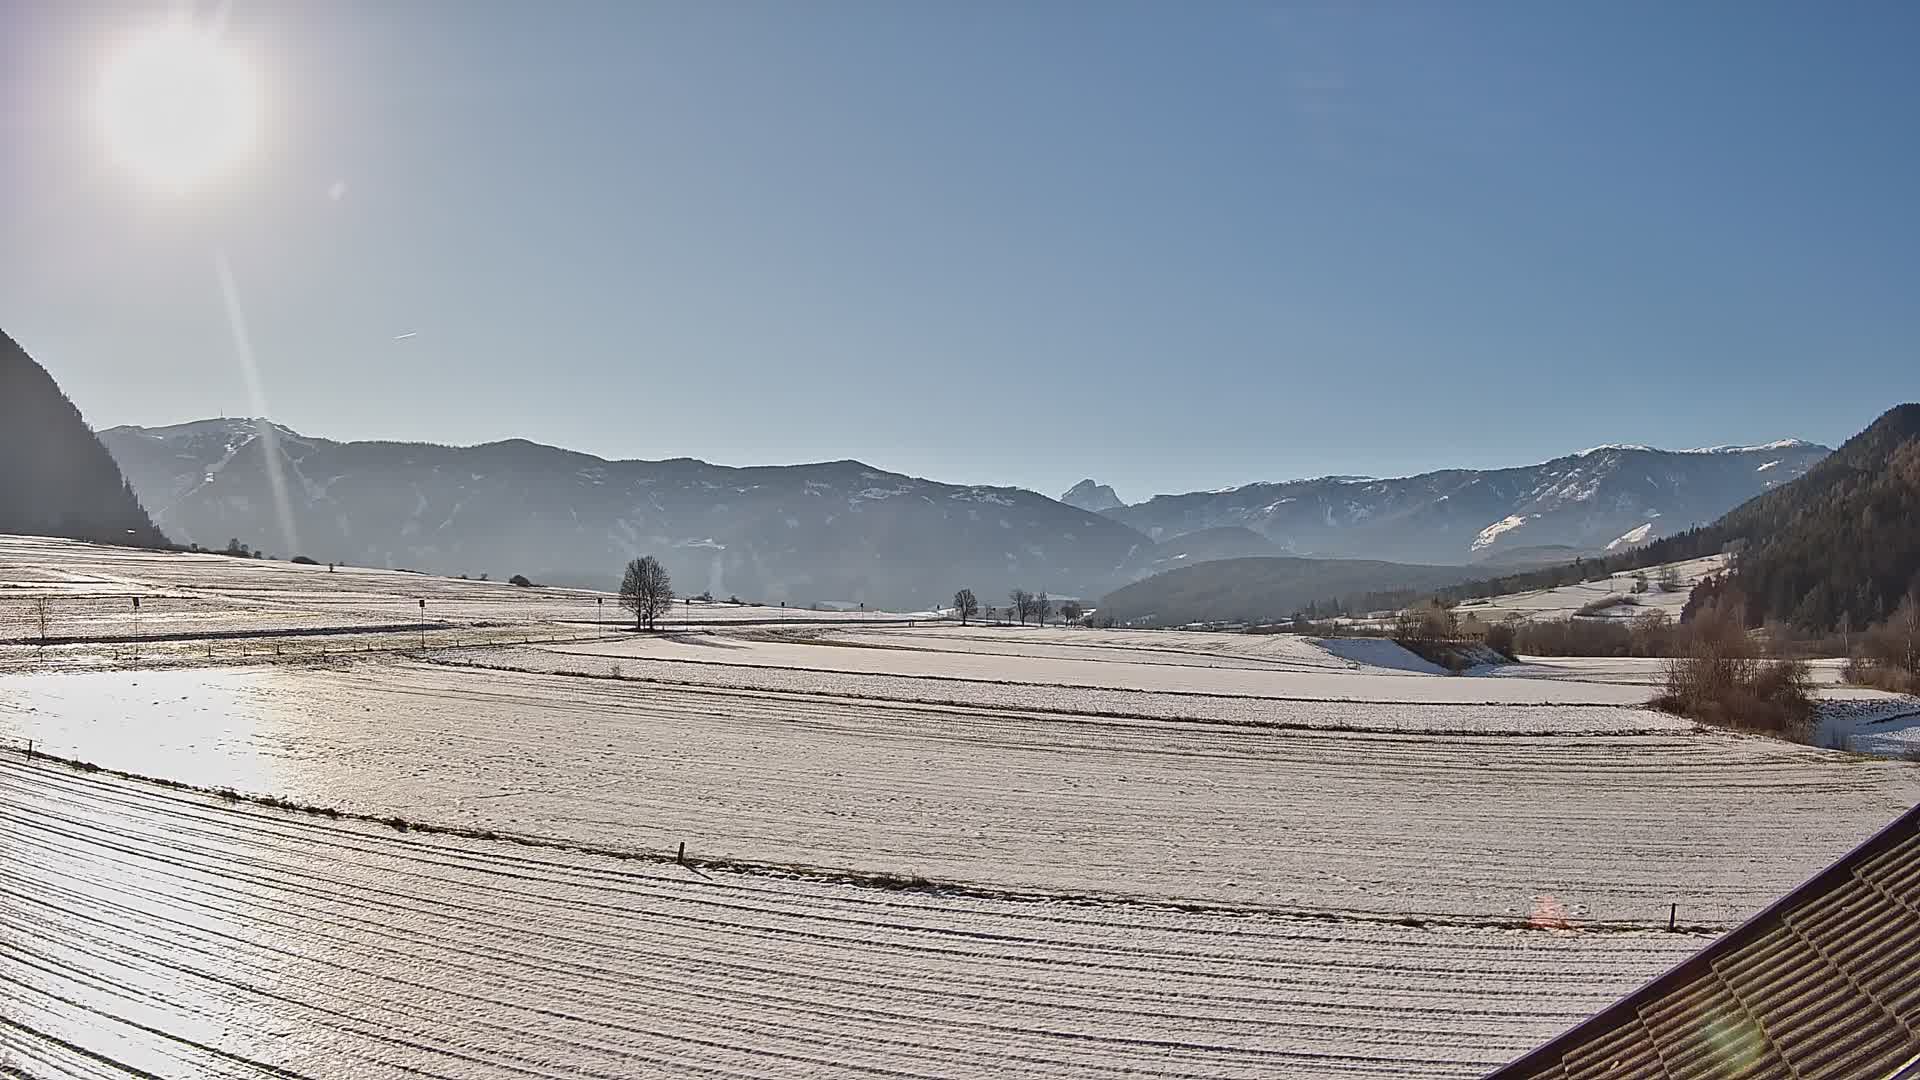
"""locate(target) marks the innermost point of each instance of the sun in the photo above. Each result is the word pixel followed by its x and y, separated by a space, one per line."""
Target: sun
pixel 177 107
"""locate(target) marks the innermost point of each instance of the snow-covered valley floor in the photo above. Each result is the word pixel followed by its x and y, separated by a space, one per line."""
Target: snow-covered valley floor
pixel 925 851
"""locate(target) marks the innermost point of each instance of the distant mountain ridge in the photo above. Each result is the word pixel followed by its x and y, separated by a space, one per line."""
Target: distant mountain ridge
pixel 1603 498
pixel 838 531
pixel 56 479
pixel 849 532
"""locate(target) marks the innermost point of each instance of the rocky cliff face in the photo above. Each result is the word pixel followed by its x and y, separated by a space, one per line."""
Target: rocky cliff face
pixel 1088 495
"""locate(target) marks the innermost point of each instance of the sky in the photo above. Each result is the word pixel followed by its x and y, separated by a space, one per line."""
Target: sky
pixel 1169 246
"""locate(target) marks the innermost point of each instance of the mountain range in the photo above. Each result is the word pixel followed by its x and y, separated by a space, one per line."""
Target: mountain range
pixel 850 533
pixel 1602 499
pixel 833 532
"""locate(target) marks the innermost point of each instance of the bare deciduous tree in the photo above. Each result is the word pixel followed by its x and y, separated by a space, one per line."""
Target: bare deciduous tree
pixel 1042 607
pixel 1021 606
pixel 647 591
pixel 1071 611
pixel 42 616
pixel 1427 622
pixel 1895 643
pixel 965 605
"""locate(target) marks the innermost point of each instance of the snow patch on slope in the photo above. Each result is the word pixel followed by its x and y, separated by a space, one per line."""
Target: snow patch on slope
pixel 1492 533
pixel 1635 535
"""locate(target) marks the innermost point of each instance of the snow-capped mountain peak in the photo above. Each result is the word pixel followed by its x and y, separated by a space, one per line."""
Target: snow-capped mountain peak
pixel 1614 495
pixel 1757 448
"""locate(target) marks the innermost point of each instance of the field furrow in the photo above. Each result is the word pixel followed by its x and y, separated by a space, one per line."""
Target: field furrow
pixel 1455 822
pixel 186 936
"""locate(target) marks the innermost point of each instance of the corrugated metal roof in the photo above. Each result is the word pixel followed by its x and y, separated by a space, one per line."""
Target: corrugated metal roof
pixel 1823 985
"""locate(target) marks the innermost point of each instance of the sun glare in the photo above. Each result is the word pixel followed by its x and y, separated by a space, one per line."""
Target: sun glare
pixel 176 107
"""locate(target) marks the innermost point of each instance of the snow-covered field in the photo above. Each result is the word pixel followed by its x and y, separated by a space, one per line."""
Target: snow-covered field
pixel 1316 675
pixel 1130 852
pixel 1442 812
pixel 1244 709
pixel 1650 671
pixel 1566 601
pixel 188 937
pixel 192 602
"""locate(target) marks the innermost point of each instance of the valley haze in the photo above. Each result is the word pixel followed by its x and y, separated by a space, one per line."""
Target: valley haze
pixel 849 533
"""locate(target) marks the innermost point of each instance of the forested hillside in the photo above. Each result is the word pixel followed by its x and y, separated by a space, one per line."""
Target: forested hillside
pixel 55 477
pixel 1841 544
pixel 1838 547
pixel 1263 589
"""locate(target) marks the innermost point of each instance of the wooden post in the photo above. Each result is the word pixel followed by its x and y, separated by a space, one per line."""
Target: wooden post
pixel 1673 914
pixel 682 857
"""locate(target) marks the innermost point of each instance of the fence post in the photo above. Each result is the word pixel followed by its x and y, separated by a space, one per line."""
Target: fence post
pixel 1673 914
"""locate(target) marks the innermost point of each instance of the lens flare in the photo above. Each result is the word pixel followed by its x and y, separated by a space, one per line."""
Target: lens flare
pixel 257 397
pixel 176 106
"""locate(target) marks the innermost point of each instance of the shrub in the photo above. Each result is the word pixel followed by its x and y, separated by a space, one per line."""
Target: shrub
pixel 1719 678
pixel 1573 637
pixel 303 560
pixel 1862 671
pixel 1595 607
pixel 1501 638
pixel 1428 622
pixel 1889 653
pixel 520 580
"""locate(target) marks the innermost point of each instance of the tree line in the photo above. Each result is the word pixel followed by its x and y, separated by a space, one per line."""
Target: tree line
pixel 1021 605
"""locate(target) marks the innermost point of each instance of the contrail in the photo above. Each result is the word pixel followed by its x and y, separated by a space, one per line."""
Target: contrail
pixel 405 336
pixel 269 437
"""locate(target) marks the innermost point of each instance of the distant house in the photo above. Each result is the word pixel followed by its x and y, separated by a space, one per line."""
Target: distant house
pixel 1825 983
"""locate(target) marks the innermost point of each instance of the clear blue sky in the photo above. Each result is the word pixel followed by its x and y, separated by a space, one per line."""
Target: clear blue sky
pixel 1171 246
